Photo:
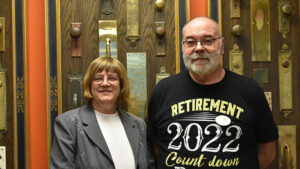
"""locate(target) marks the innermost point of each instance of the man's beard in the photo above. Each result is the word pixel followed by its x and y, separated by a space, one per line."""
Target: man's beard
pixel 202 68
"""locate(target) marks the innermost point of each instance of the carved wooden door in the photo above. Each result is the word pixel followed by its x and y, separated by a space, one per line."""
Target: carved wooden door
pixel 152 23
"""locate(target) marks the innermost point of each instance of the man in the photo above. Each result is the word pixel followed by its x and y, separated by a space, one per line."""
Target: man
pixel 208 117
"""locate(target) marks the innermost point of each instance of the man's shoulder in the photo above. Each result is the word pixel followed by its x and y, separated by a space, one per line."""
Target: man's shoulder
pixel 240 79
pixel 173 78
pixel 246 85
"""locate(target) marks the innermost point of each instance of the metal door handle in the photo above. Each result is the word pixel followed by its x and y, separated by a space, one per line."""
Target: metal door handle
pixel 108 52
pixel 75 100
pixel 287 162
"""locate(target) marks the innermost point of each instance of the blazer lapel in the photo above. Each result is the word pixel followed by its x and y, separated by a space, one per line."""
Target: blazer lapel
pixel 132 133
pixel 92 129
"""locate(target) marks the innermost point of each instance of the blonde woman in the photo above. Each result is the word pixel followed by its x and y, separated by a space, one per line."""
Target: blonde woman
pixel 100 134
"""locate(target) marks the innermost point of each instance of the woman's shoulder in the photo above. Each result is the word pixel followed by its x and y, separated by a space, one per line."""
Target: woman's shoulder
pixel 72 115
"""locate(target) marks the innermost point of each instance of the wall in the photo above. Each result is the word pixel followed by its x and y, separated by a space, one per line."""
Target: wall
pixel 36 84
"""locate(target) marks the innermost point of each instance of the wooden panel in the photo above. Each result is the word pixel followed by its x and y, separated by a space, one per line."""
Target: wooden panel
pixel 89 14
pixel 276 40
pixel 244 42
pixel 6 60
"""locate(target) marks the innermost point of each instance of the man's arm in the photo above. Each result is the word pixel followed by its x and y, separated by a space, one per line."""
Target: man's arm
pixel 266 154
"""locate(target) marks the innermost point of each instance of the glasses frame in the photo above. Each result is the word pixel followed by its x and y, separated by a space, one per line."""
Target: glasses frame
pixel 201 42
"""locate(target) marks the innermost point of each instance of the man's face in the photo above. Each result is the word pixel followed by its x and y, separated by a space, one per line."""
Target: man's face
pixel 202 46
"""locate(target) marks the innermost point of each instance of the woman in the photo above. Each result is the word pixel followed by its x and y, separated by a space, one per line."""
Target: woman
pixel 99 134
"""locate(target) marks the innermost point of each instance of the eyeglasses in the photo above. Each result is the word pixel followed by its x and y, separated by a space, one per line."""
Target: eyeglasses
pixel 109 79
pixel 207 42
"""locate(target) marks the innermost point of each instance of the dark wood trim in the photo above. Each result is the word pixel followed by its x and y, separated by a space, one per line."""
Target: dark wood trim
pixel 20 88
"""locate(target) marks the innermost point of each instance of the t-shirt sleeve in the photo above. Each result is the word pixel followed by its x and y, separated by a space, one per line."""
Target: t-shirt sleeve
pixel 151 131
pixel 150 118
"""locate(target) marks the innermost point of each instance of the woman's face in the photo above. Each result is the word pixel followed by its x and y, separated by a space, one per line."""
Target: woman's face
pixel 105 87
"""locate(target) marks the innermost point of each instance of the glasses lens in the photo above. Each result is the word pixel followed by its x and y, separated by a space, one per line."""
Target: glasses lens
pixel 208 42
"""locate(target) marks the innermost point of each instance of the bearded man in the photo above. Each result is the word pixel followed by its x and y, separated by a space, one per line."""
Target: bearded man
pixel 207 116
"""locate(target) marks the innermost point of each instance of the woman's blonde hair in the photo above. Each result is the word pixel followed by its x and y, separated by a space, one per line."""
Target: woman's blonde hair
pixel 107 64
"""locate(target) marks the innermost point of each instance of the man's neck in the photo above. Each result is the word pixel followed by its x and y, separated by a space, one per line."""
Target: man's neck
pixel 211 78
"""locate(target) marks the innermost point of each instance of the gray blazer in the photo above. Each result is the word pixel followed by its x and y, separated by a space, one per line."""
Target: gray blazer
pixel 79 144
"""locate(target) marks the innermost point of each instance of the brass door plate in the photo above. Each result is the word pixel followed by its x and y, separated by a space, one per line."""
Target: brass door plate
pixel 2 34
pixel 261 75
pixel 162 74
pixel 75 92
pixel 160 44
pixel 108 31
pixel 285 68
pixel 235 11
pixel 236 60
pixel 269 98
pixel 133 23
pixel 287 147
pixel 3 103
pixel 137 75
pixel 284 10
pixel 260 30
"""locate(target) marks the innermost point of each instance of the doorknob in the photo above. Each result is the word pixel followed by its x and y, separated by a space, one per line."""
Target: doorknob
pixel 160 30
pixel 286 9
pixel 159 5
pixel 75 33
pixel 2 34
pixel 237 30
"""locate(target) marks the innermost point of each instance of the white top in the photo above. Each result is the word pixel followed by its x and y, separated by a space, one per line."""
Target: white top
pixel 116 140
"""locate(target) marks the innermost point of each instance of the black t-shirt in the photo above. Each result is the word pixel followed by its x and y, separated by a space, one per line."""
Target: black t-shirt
pixel 209 126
